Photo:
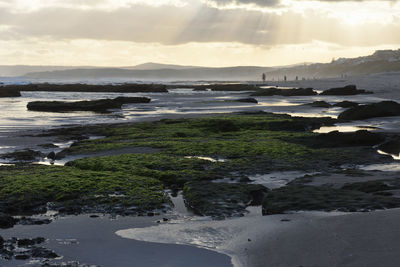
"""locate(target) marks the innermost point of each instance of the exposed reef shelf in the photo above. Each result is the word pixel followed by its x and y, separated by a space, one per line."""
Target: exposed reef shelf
pixel 362 112
pixel 102 105
pixel 346 90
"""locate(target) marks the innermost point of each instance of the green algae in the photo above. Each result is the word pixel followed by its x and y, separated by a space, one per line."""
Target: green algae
pixel 237 145
pixel 32 187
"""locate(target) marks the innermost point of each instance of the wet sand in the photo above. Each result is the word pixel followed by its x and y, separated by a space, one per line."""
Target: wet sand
pixel 93 241
pixel 300 239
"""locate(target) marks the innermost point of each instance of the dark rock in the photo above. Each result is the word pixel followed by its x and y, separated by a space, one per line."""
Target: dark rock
pixel 51 155
pixel 22 257
pixel 39 240
pixel 296 198
pixel 6 92
pixel 165 219
pixel 346 104
pixel 368 187
pixel 247 100
pixel 48 145
pixel 319 104
pixel 381 109
pixel 336 139
pixel 39 252
pixel 285 92
pixel 25 242
pixel 47 263
pixel 220 200
pixel 358 138
pixel 391 146
pixel 94 216
pixel 1 242
pixel 347 90
pixel 301 124
pixel 27 155
pixel 132 100
pixel 6 221
pixel 101 105
pixel 33 221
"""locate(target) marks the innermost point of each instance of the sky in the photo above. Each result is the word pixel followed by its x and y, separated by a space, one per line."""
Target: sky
pixel 194 32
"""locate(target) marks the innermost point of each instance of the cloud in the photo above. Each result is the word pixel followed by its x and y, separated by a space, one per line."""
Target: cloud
pixel 172 24
pixel 277 3
pixel 261 3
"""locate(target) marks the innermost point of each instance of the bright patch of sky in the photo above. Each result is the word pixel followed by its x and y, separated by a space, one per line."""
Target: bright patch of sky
pixel 194 32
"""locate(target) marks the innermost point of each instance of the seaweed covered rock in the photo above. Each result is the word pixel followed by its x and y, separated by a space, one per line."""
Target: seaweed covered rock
pixel 30 188
pixel 220 125
pixel 6 92
pixel 358 138
pixel 220 200
pixel 380 109
pixel 285 92
pixel 102 105
pixel 368 187
pixel 301 124
pixel 339 139
pixel 298 198
pixel 27 155
pixel 346 90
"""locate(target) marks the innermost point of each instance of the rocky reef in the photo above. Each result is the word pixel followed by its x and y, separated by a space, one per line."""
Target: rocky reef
pixel 102 105
pixel 285 92
pixel 346 90
pixel 380 109
pixel 6 92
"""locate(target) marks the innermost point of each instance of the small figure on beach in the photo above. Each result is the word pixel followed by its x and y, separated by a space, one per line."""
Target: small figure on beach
pixel 263 77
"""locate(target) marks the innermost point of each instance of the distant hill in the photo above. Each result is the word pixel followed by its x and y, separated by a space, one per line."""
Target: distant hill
pixel 196 73
pixel 157 66
pixel 379 62
pixel 21 70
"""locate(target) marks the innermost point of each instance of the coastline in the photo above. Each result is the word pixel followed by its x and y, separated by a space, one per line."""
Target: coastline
pixel 252 240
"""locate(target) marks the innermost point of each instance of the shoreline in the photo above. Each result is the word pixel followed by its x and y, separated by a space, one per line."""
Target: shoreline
pixel 305 238
pixel 93 241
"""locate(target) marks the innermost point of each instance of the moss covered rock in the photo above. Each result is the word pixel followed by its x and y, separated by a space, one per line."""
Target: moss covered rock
pixel 298 198
pixel 220 200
